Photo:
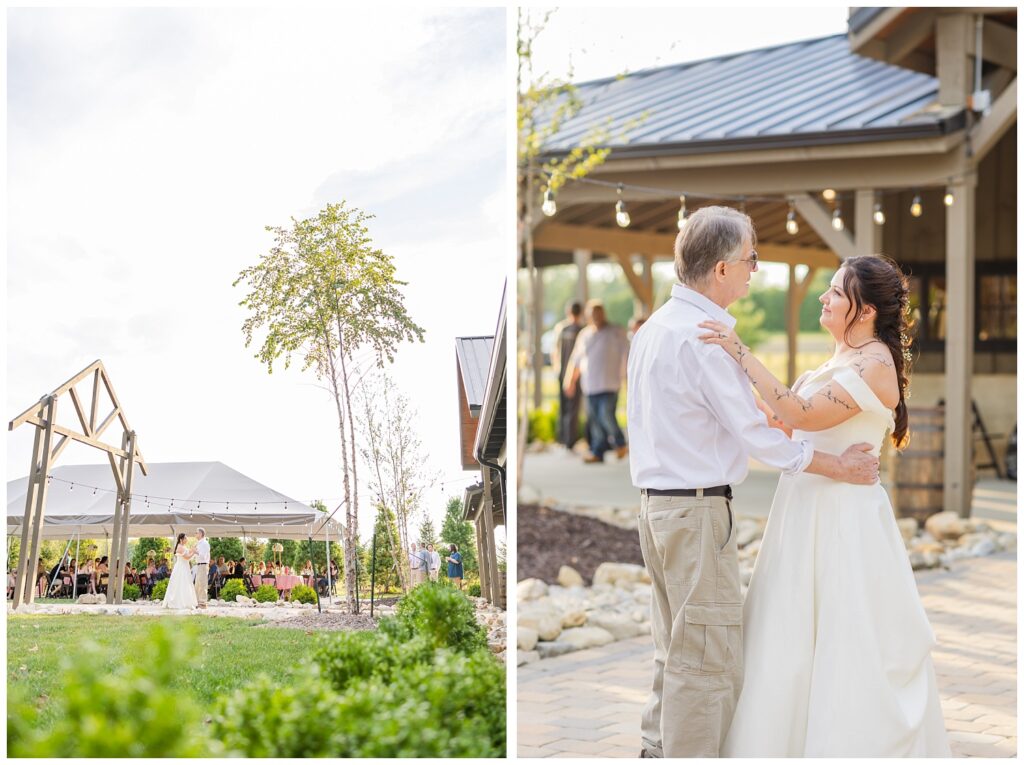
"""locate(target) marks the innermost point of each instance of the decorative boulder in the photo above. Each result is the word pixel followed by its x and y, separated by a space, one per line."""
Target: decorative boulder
pixel 554 648
pixel 946 525
pixel 526 638
pixel 525 657
pixel 619 574
pixel 574 617
pixel 531 589
pixel 908 528
pixel 585 637
pixel 569 577
pixel 619 626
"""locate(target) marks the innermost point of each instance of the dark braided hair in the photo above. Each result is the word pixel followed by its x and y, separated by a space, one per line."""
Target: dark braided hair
pixel 876 280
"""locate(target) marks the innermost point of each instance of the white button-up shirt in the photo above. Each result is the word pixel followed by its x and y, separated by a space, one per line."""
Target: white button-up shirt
pixel 203 551
pixel 601 356
pixel 693 422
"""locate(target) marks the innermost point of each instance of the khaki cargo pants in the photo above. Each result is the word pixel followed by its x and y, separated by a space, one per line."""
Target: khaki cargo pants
pixel 689 547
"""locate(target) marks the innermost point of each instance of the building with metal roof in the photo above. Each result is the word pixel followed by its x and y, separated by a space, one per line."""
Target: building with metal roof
pixel 897 137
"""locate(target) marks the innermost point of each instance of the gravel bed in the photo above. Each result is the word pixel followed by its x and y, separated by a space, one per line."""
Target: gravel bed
pixel 326 622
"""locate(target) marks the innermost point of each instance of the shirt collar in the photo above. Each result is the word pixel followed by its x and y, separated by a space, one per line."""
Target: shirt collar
pixel 712 309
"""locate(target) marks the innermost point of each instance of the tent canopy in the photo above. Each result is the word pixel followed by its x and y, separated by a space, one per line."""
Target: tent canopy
pixel 174 497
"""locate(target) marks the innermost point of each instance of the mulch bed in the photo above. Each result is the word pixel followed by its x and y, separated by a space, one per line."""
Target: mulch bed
pixel 548 539
pixel 329 622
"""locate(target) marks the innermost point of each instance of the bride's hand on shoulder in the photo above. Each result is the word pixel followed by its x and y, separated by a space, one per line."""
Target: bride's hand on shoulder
pixel 725 337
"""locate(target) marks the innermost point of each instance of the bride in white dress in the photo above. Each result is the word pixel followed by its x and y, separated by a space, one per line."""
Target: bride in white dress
pixel 837 646
pixel 181 592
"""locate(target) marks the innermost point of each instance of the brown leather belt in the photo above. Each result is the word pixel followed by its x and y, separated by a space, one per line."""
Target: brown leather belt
pixel 714 491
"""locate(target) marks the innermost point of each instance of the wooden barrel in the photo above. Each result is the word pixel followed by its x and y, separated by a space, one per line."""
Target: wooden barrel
pixel 918 469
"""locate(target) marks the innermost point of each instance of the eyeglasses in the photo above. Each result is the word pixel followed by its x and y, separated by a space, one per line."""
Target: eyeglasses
pixel 752 260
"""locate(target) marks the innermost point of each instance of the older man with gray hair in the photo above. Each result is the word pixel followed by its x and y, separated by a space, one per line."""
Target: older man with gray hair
pixel 202 572
pixel 693 425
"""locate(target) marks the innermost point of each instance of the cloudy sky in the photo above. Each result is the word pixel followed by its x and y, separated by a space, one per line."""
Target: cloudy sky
pixel 148 148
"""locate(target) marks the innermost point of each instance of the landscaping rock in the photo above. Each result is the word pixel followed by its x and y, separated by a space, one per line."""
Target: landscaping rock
pixel 531 589
pixel 617 574
pixel 583 637
pixel 747 531
pixel 526 638
pixel 908 528
pixel 574 617
pixel 525 657
pixel 984 547
pixel 946 525
pixel 569 577
pixel 1008 541
pixel 619 626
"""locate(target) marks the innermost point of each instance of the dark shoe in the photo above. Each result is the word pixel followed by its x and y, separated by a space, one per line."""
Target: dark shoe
pixel 592 459
pixel 644 754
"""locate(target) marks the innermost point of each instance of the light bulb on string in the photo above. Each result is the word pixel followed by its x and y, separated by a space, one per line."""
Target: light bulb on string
pixel 680 223
pixel 549 207
pixel 829 195
pixel 792 227
pixel 948 199
pixel 621 216
pixel 879 214
pixel 837 219
pixel 915 207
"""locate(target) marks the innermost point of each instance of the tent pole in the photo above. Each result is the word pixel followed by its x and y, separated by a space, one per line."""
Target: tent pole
pixel 327 542
pixel 312 561
pixel 67 549
pixel 74 581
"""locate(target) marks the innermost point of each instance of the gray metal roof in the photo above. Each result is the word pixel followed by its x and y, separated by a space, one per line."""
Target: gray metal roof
pixel 814 91
pixel 474 355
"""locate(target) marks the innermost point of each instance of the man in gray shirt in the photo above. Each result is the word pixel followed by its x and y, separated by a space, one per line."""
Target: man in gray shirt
pixel 598 366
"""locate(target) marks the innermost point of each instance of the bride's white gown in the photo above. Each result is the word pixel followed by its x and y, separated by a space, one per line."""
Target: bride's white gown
pixel 836 642
pixel 181 592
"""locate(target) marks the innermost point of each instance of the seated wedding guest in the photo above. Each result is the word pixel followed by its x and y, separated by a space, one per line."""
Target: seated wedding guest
pixel 307 570
pixel 287 571
pixel 12 579
pixel 41 576
pixel 162 571
pixel 262 569
pixel 87 577
pixel 222 566
pixel 240 569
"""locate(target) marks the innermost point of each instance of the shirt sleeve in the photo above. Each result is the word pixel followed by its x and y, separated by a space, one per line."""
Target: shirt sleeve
pixel 727 391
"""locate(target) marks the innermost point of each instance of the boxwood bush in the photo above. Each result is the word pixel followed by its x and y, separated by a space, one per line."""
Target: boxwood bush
pixel 303 594
pixel 232 589
pixel 131 592
pixel 159 590
pixel 266 593
pixel 445 617
pixel 474 589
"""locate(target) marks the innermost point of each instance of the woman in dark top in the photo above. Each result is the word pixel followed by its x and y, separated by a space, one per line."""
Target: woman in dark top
pixel 454 565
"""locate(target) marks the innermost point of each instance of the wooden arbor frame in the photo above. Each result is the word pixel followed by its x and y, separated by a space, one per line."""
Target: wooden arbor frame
pixel 44 454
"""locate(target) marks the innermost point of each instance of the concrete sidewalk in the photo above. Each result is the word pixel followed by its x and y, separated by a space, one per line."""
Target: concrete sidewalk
pixel 588 703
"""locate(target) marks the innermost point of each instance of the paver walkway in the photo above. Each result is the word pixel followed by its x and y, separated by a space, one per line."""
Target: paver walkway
pixel 588 703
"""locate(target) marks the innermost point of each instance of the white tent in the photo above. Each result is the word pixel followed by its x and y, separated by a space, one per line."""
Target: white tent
pixel 174 497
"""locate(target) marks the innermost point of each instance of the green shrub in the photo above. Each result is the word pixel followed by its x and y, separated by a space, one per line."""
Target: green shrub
pixel 346 657
pixel 474 589
pixel 444 616
pixel 452 706
pixel 131 592
pixel 266 593
pixel 543 424
pixel 232 589
pixel 159 589
pixel 303 594
pixel 132 711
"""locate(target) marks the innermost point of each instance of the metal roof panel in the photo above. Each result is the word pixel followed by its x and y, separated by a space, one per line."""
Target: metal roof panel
pixel 474 355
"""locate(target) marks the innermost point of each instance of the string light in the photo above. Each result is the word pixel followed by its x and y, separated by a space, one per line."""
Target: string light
pixel 792 228
pixel 915 207
pixel 948 199
pixel 829 195
pixel 549 207
pixel 837 219
pixel 621 216
pixel 878 214
pixel 681 222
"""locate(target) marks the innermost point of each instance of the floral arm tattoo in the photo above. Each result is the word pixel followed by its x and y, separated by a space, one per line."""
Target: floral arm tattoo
pixel 861 358
pixel 828 394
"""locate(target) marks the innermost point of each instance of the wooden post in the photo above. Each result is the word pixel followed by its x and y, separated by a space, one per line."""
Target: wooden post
pixel 792 326
pixel 538 329
pixel 582 260
pixel 27 566
pixel 40 495
pixel 487 509
pixel 481 552
pixel 126 506
pixel 867 235
pixel 957 488
pixel 115 532
pixel 953 39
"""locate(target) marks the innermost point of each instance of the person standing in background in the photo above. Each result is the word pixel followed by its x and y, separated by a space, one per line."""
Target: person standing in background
pixel 598 367
pixel 565 333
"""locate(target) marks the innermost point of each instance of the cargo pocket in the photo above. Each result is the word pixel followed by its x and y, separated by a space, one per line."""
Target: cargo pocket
pixel 678 544
pixel 712 638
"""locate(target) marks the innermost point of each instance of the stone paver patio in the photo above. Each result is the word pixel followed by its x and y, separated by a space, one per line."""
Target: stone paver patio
pixel 588 703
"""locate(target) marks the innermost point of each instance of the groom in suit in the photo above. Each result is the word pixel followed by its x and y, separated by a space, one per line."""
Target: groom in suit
pixel 202 568
pixel 693 425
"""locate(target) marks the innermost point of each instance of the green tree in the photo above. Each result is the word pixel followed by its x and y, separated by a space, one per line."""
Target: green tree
pixel 254 549
pixel 229 547
pixel 388 560
pixel 427 535
pixel 318 552
pixel 160 545
pixel 291 548
pixel 749 321
pixel 326 292
pixel 460 532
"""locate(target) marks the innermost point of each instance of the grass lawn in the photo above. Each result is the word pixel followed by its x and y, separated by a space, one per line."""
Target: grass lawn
pixel 229 652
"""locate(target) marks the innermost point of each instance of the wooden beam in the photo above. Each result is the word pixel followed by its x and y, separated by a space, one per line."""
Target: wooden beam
pixel 93 410
pixel 582 257
pixel 999 44
pixel 867 235
pixel 21 418
pixel 120 414
pixel 959 352
pixel 986 133
pixel 86 427
pixel 917 27
pixel 635 282
pixel 953 39
pixel 869 33
pixel 61 430
pixel 840 242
